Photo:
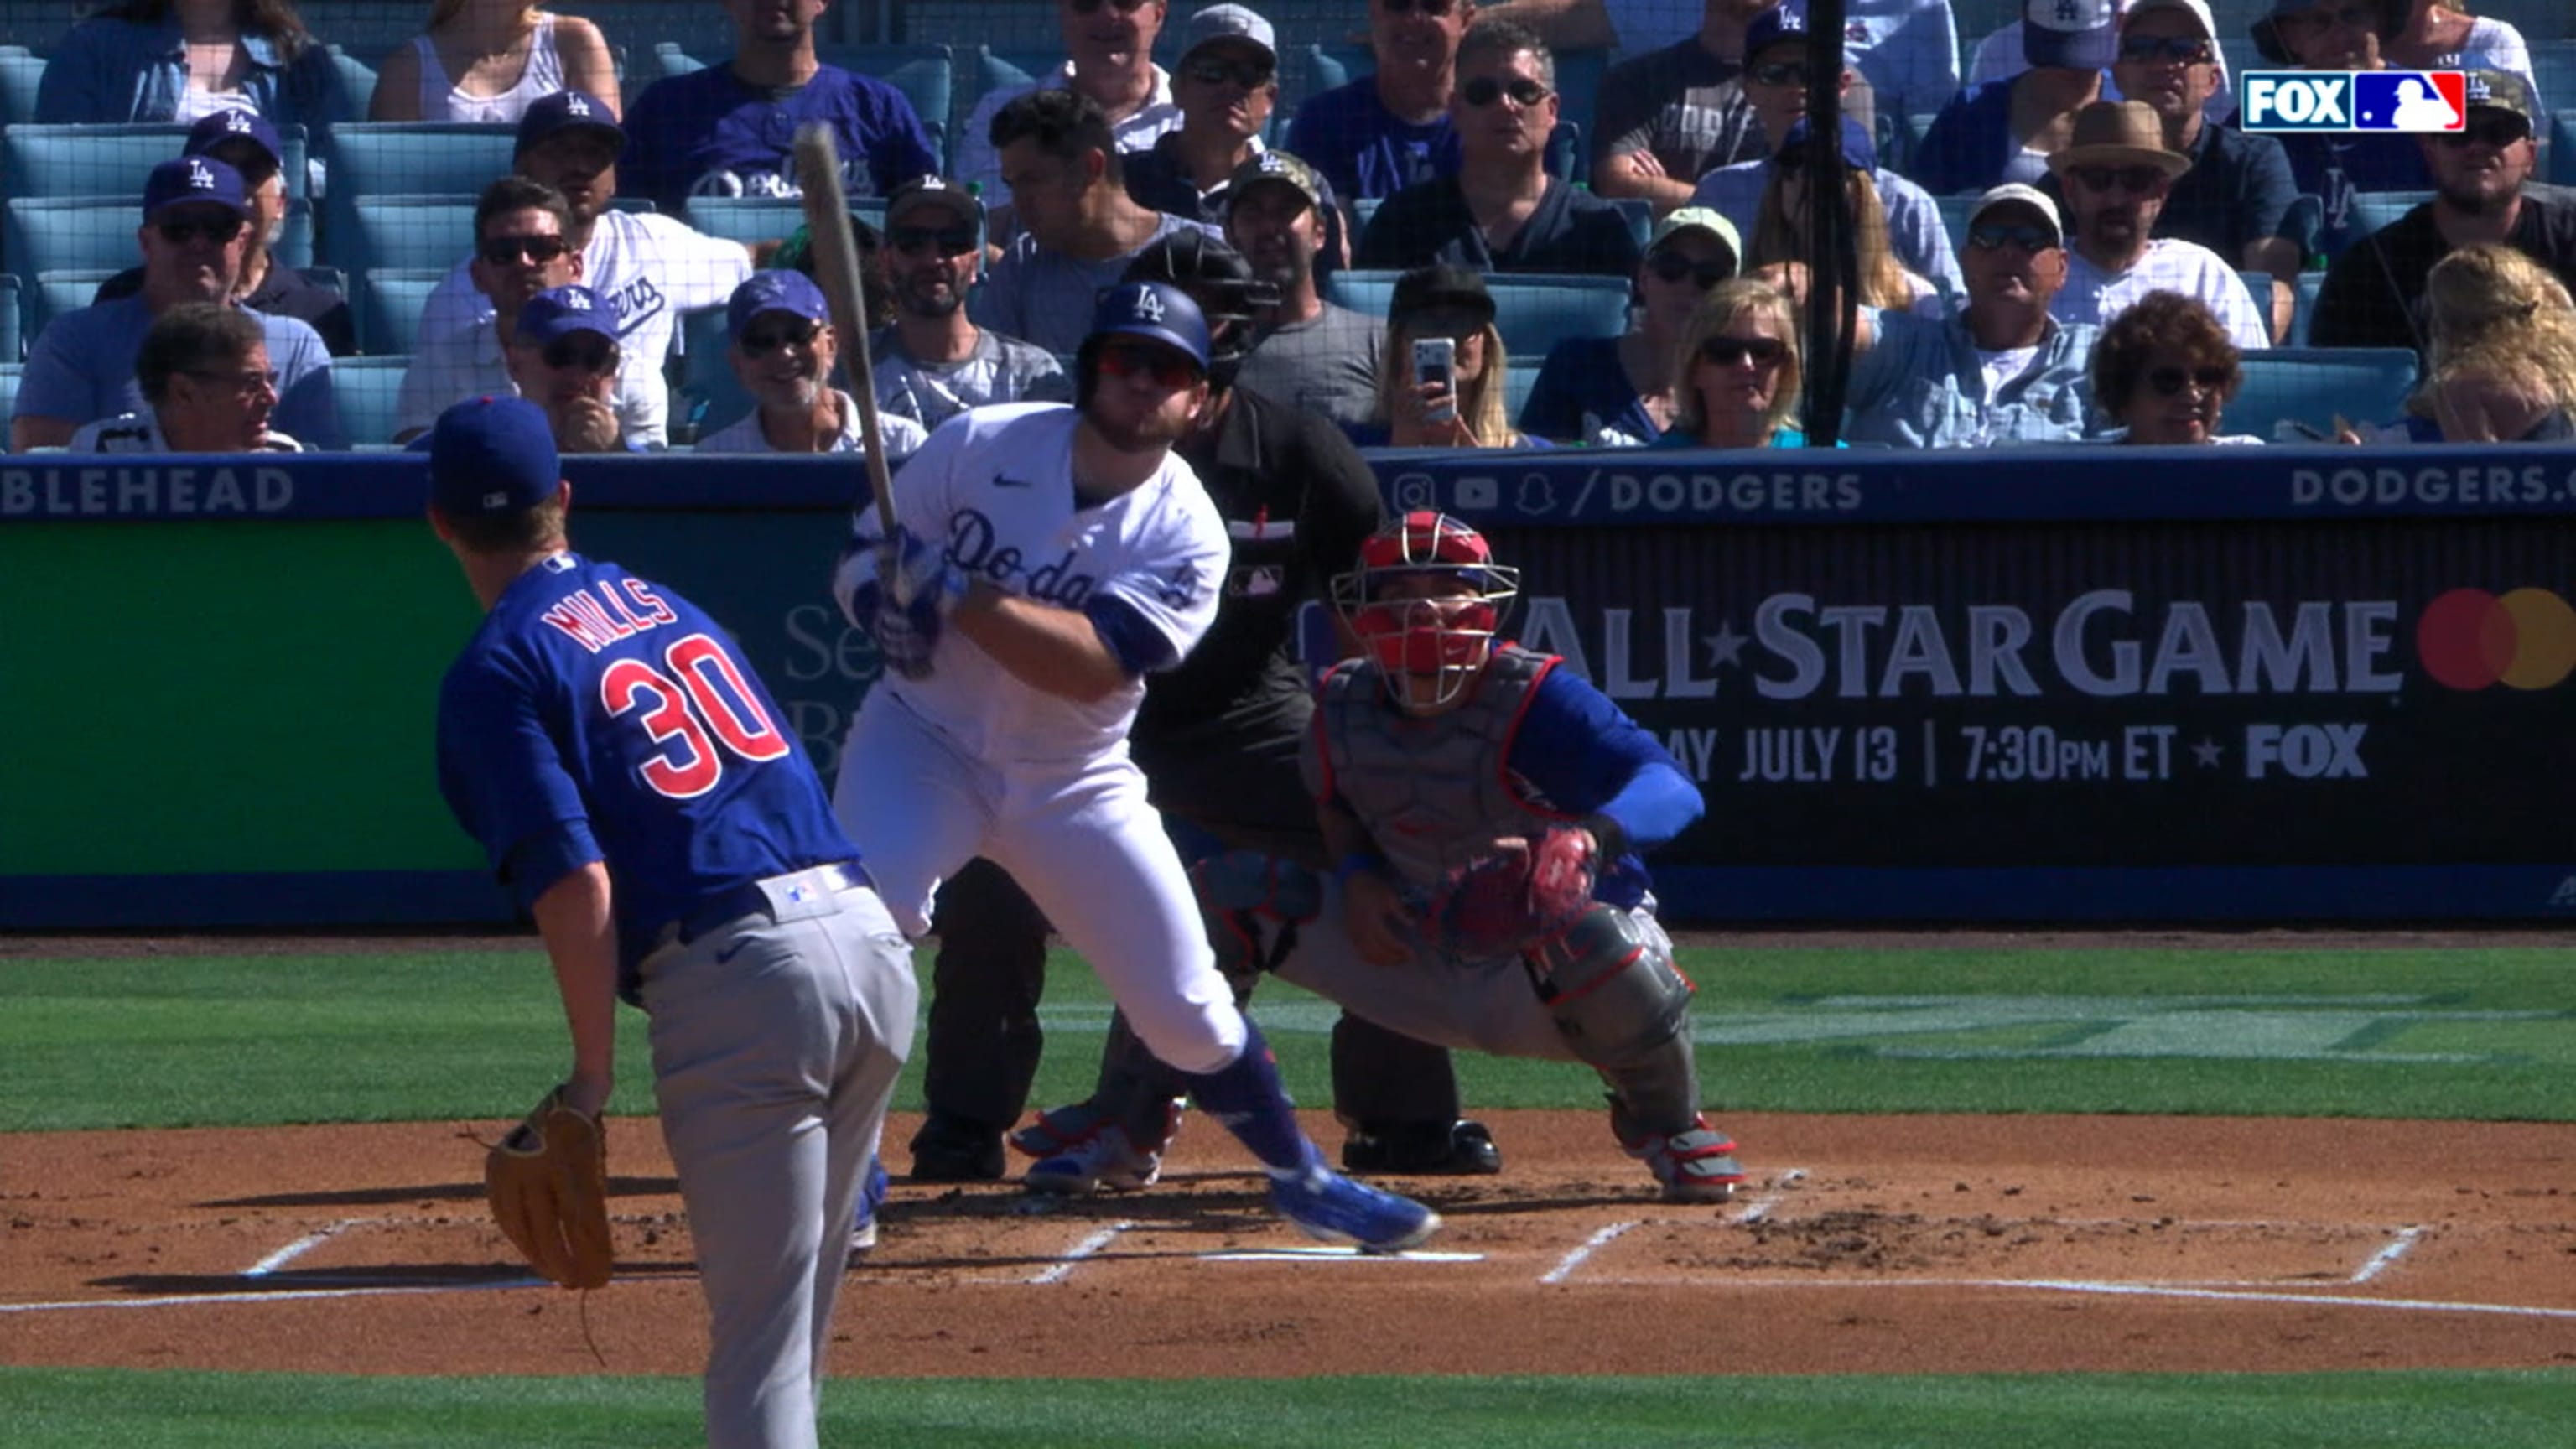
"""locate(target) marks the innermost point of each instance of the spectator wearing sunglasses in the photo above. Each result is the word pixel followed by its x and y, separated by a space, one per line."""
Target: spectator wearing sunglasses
pixel 1390 129
pixel 1078 227
pixel 2116 172
pixel 932 362
pixel 242 140
pixel 2164 371
pixel 2373 293
pixel 1785 216
pixel 1619 392
pixel 730 129
pixel 563 356
pixel 2234 197
pixel 1999 369
pixel 1502 212
pixel 2006 130
pixel 1109 58
pixel 522 247
pixel 206 380
pixel 1226 83
pixel 1671 115
pixel 1306 352
pixel 1737 371
pixel 2335 167
pixel 1775 86
pixel 781 346
pixel 195 231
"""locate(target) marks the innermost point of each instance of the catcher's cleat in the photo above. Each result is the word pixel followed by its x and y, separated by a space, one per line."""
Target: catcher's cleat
pixel 1696 1164
pixel 952 1149
pixel 872 1196
pixel 1104 1162
pixel 1335 1209
pixel 1423 1149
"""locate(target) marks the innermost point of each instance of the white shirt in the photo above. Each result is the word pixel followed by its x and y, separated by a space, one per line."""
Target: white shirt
pixel 442 100
pixel 2092 295
pixel 141 433
pixel 902 435
pixel 648 268
pixel 995 484
pixel 976 162
pixel 449 368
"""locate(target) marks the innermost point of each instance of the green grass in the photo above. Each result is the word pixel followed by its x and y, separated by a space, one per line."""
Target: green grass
pixel 51 1410
pixel 2467 1034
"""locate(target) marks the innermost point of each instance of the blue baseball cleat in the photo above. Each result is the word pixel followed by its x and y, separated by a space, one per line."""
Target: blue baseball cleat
pixel 1335 1209
pixel 872 1195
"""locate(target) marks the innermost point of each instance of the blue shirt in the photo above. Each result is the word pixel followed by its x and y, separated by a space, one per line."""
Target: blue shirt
pixel 1916 235
pixel 706 132
pixel 1971 146
pixel 109 71
pixel 1581 389
pixel 1363 148
pixel 1922 384
pixel 595 716
pixel 2336 168
pixel 82 369
pixel 1580 755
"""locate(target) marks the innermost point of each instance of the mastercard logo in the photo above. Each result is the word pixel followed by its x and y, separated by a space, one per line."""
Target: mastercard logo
pixel 2469 639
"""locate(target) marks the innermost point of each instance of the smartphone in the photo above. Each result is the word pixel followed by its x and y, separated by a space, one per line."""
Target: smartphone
pixel 1435 360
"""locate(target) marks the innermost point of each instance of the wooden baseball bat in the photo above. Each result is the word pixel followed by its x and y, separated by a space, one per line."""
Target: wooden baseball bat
pixel 836 270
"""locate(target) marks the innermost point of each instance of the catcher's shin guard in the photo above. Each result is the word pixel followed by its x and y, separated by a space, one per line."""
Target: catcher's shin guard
pixel 1611 986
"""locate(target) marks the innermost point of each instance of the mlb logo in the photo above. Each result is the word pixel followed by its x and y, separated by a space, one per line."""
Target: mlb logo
pixel 2419 102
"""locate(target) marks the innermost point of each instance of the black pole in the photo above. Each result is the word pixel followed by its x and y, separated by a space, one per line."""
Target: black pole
pixel 1833 262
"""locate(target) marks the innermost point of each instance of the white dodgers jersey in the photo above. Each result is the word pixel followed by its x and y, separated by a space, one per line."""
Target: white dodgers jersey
pixel 994 487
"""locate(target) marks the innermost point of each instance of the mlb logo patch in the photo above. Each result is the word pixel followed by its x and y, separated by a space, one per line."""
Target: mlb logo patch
pixel 2399 102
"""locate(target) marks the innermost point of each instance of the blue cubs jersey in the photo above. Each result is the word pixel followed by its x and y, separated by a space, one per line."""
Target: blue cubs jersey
pixel 596 716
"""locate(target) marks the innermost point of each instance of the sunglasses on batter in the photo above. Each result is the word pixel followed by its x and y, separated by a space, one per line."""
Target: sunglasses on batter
pixel 1724 351
pixel 1484 90
pixel 1136 359
pixel 2169 381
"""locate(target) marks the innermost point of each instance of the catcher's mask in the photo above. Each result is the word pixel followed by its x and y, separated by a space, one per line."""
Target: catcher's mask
pixel 1425 603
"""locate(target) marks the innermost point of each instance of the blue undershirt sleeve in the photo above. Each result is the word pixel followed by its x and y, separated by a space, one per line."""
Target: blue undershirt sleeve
pixel 1584 757
pixel 1139 647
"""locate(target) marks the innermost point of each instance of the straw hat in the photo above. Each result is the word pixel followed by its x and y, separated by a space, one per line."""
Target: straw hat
pixel 2119 133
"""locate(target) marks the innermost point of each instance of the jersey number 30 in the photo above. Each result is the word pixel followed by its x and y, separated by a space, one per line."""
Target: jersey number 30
pixel 710 702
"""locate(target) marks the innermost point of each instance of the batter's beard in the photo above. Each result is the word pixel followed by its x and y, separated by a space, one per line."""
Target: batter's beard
pixel 1151 435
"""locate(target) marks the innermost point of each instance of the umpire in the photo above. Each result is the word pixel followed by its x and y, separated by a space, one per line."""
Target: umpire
pixel 1218 739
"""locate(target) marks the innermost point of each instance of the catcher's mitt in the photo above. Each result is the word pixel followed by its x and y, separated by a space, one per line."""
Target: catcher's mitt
pixel 548 1185
pixel 1518 898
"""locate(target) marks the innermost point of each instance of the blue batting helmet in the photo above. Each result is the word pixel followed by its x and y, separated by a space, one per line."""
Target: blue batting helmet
pixel 1156 311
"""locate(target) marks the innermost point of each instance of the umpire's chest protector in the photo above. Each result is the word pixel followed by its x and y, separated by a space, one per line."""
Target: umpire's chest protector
pixel 1434 792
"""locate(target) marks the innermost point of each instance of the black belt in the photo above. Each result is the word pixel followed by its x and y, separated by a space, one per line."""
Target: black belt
pixel 748 899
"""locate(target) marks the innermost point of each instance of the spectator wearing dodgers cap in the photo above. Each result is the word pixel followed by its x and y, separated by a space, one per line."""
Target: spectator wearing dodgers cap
pixel 195 231
pixel 1226 83
pixel 780 342
pixel 2005 131
pixel 563 356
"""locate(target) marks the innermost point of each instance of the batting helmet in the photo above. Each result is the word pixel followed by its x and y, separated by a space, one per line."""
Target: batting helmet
pixel 1217 278
pixel 1152 310
pixel 1426 601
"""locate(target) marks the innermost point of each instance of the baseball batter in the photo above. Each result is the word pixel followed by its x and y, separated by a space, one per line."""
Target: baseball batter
pixel 1045 559
pixel 636 789
pixel 1442 750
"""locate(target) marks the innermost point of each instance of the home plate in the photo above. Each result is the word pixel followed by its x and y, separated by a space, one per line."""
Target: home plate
pixel 1334 1253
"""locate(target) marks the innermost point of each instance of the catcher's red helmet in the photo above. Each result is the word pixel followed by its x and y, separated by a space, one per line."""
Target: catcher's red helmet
pixel 1425 602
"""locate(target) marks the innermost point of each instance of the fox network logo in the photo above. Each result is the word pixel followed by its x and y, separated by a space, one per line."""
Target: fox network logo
pixel 2418 102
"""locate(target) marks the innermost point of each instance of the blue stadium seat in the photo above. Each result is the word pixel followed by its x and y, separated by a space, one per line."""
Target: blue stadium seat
pixel 926 74
pixel 764 218
pixel 423 158
pixel 1640 214
pixel 10 372
pixel 402 231
pixel 13 322
pixel 2372 210
pixel 1955 211
pixel 1520 374
pixel 2312 386
pixel 357 77
pixel 708 391
pixel 2562 147
pixel 634 28
pixel 369 389
pixel 108 160
pixel 60 292
pixel 389 303
pixel 1533 310
pixel 295 239
pixel 75 233
pixel 2309 285
pixel 2553 66
pixel 20 74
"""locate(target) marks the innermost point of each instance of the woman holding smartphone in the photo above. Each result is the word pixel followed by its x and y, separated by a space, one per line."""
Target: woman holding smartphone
pixel 1441 385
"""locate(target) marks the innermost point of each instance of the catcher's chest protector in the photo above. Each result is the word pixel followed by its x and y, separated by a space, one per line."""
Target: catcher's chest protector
pixel 1433 792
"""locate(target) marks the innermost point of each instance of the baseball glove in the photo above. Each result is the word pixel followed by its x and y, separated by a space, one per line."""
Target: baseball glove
pixel 548 1185
pixel 1518 898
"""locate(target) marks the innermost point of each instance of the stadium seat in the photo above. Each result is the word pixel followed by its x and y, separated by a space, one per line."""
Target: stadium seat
pixel 10 372
pixel 1520 374
pixel 109 160
pixel 20 74
pixel 13 322
pixel 2294 394
pixel 2309 285
pixel 74 233
pixel 1955 211
pixel 402 231
pixel 389 303
pixel 709 394
pixel 634 28
pixel 357 77
pixel 1533 310
pixel 2562 148
pixel 764 218
pixel 1640 214
pixel 58 292
pixel 424 158
pixel 294 246
pixel 2372 210
pixel 926 74
pixel 2553 66
pixel 369 390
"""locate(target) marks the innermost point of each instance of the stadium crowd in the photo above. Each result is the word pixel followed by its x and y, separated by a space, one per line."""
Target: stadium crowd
pixel 2079 244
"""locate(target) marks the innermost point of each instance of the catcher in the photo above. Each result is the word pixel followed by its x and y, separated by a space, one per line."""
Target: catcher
pixel 1486 811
